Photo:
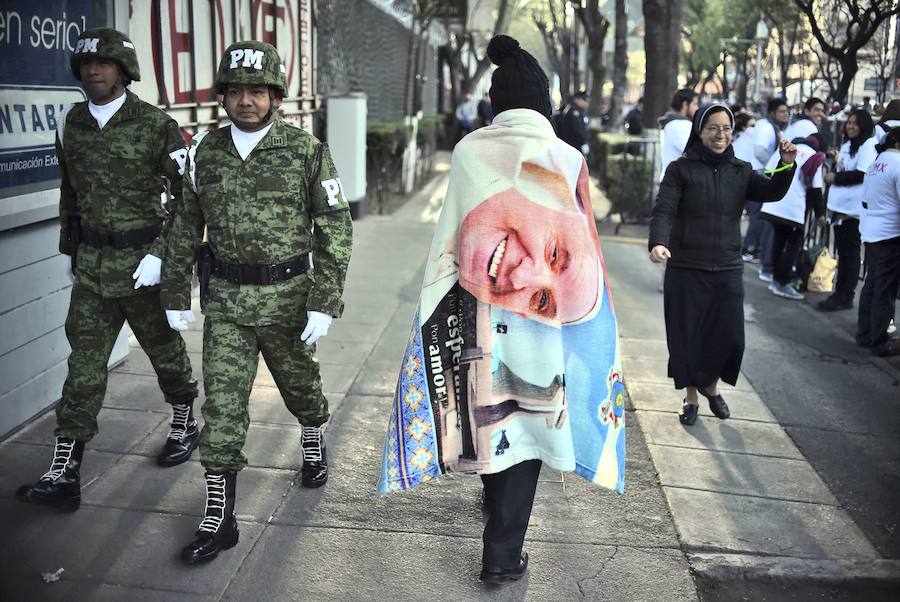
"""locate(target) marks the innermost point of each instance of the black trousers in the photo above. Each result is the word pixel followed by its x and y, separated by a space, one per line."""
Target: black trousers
pixel 508 496
pixel 847 243
pixel 879 293
pixel 786 244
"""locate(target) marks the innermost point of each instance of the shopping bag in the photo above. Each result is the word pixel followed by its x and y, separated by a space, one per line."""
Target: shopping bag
pixel 821 280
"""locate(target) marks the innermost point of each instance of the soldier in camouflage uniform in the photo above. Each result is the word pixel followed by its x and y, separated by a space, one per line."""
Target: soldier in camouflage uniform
pixel 269 196
pixel 116 155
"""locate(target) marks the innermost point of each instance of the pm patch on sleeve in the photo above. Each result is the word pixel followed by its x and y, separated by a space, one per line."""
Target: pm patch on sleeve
pixel 335 191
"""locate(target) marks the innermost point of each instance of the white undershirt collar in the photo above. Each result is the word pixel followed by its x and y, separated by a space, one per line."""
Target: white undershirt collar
pixel 245 142
pixel 103 113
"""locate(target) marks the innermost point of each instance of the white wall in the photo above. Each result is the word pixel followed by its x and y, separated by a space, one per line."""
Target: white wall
pixel 34 300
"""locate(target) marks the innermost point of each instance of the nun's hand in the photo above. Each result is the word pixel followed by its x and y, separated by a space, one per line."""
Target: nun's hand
pixel 788 151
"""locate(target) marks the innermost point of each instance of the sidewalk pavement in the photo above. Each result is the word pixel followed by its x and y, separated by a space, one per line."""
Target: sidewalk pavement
pixel 340 542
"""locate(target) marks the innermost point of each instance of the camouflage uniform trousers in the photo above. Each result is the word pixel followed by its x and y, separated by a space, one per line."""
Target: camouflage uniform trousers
pixel 92 326
pixel 230 358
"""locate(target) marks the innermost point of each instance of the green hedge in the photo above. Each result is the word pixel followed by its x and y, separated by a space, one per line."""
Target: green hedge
pixel 387 139
pixel 430 131
pixel 629 184
pixel 602 146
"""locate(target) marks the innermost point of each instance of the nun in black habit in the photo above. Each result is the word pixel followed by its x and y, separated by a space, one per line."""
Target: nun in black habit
pixel 696 231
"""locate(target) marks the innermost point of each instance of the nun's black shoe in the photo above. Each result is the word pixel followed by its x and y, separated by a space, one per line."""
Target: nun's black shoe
pixel 688 414
pixel 888 348
pixel 717 405
pixel 498 576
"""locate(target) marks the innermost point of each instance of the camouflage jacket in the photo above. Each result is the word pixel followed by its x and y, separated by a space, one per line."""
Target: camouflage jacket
pixel 283 201
pixel 114 178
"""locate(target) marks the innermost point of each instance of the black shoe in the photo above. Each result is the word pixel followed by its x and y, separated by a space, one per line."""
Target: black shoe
pixel 183 437
pixel 688 414
pixel 60 487
pixel 219 529
pixel 889 348
pixel 717 405
pixel 315 464
pixel 498 576
pixel 834 304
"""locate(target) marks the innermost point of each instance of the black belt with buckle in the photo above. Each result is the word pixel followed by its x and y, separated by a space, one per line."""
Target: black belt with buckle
pixel 121 240
pixel 242 273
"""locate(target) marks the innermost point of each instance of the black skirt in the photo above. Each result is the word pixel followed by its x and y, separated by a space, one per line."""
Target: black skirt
pixel 704 325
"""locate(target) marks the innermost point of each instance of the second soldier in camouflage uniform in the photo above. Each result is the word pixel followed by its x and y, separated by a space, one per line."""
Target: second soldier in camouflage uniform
pixel 116 154
pixel 269 196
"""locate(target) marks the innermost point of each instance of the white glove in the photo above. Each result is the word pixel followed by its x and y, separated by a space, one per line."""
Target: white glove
pixel 585 149
pixel 148 271
pixel 317 325
pixel 179 318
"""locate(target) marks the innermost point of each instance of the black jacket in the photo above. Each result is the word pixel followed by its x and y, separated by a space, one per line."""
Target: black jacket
pixel 573 127
pixel 698 210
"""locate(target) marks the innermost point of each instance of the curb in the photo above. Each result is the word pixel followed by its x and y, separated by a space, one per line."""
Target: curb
pixel 787 570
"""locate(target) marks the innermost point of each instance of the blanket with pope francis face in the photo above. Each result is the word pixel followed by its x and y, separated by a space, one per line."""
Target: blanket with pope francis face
pixel 513 354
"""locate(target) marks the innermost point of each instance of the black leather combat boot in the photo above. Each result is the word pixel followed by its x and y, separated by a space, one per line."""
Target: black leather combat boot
pixel 315 466
pixel 219 529
pixel 60 487
pixel 183 436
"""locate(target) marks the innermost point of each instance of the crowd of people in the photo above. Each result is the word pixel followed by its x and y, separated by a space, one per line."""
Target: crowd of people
pixel 838 172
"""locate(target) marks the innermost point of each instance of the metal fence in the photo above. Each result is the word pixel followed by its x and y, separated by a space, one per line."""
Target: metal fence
pixel 631 180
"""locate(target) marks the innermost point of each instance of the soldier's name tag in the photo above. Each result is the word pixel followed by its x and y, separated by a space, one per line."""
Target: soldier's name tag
pixel 333 188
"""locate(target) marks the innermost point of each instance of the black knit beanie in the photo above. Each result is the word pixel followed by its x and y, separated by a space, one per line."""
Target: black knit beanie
pixel 518 82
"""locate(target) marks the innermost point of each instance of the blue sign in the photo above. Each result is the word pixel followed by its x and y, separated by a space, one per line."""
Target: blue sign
pixel 36 84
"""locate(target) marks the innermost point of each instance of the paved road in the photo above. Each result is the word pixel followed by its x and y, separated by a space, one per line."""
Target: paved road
pixel 840 405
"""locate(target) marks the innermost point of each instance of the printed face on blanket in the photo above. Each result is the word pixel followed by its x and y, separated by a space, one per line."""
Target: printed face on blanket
pixel 537 261
pixel 514 353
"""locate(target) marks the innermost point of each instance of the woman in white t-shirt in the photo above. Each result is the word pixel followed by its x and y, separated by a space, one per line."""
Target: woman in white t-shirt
pixel 845 199
pixel 880 229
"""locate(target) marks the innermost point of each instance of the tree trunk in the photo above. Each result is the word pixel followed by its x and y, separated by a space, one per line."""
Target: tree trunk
pixel 408 89
pixel 662 28
pixel 463 81
pixel 596 27
pixel 849 67
pixel 620 65
pixel 709 77
pixel 725 87
pixel 782 64
pixel 744 80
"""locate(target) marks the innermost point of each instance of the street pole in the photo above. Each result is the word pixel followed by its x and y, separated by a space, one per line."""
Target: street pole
pixel 762 34
pixel 759 54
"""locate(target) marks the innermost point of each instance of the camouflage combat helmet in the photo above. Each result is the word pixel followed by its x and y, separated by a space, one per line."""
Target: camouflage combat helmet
pixel 251 62
pixel 109 44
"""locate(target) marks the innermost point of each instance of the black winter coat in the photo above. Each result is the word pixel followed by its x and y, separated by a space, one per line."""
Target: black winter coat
pixel 572 127
pixel 698 210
